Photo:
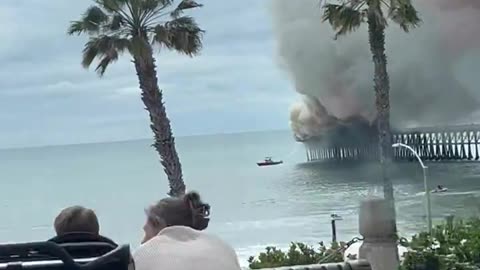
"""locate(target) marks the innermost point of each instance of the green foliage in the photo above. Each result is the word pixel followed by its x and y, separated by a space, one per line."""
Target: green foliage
pixel 452 246
pixel 118 26
pixel 297 254
pixel 347 16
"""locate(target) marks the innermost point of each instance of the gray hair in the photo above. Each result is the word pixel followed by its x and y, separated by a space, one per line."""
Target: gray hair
pixel 188 210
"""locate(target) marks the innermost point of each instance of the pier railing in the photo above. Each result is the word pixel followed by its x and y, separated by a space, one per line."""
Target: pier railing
pixel 460 143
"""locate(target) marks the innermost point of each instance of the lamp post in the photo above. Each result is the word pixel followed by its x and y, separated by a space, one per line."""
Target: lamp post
pixel 334 217
pixel 425 183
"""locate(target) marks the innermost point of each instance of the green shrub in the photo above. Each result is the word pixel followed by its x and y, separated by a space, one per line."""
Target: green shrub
pixel 452 246
pixel 297 254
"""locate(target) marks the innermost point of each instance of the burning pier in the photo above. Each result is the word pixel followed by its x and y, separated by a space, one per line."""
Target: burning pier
pixel 357 143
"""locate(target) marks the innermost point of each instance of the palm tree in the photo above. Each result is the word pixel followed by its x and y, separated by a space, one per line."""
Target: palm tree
pixel 348 16
pixel 137 27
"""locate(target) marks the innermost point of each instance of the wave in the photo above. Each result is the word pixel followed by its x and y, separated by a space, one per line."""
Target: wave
pixel 449 193
pixel 458 193
pixel 273 223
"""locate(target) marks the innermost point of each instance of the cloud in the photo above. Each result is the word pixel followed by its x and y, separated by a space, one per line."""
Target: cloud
pixel 432 69
pixel 46 97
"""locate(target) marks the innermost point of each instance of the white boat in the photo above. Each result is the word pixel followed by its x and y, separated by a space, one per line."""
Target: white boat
pixel 440 190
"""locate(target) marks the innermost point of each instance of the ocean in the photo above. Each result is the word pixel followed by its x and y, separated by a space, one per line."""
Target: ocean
pixel 252 206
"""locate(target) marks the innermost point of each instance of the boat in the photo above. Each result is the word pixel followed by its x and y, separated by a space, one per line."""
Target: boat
pixel 269 162
pixel 440 190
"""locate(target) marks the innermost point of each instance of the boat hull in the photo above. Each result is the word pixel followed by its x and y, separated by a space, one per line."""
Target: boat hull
pixel 261 164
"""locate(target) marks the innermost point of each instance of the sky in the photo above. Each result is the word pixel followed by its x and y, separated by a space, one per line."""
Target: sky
pixel 47 98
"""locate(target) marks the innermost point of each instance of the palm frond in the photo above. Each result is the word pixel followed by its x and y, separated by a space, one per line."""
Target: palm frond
pixel 134 10
pixel 404 14
pixel 112 6
pixel 152 5
pixel 76 27
pixel 106 48
pixel 118 7
pixel 154 9
pixel 105 61
pixel 115 23
pixel 116 26
pixel 343 18
pixel 182 34
pixel 90 22
pixel 184 5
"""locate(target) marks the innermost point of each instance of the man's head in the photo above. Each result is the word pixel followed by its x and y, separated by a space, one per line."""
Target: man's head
pixel 76 219
pixel 188 210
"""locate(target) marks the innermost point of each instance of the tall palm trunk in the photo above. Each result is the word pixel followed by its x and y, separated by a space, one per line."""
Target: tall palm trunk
pixel 164 143
pixel 376 34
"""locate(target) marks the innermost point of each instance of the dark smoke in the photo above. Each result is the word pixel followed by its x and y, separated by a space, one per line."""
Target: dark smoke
pixel 432 69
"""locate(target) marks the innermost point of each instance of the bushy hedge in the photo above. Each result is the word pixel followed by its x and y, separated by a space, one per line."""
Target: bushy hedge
pixel 297 254
pixel 452 246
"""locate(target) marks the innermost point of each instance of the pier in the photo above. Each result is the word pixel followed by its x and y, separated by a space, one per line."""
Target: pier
pixel 456 143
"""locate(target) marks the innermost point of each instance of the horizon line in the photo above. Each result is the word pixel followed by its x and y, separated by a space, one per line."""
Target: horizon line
pixel 138 139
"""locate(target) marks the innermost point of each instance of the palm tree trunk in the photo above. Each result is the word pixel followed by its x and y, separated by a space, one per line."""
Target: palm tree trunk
pixel 164 143
pixel 376 34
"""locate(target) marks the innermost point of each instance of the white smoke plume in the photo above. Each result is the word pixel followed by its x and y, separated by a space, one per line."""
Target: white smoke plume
pixel 432 69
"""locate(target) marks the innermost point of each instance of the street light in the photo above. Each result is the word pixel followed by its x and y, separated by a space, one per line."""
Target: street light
pixel 425 183
pixel 334 217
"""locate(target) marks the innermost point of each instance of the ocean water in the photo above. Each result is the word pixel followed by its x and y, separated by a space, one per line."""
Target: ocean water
pixel 252 206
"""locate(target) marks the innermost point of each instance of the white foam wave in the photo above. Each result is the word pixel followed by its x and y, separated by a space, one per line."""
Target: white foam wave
pixel 457 193
pixel 449 193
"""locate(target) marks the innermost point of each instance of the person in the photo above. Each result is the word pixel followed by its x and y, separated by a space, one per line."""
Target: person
pixel 76 219
pixel 79 225
pixel 174 238
pixel 439 187
pixel 189 211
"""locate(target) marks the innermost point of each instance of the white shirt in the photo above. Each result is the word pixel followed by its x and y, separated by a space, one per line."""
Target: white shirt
pixel 183 248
